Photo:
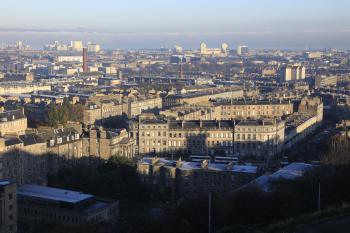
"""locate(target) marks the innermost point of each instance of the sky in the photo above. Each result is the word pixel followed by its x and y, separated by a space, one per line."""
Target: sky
pixel 157 23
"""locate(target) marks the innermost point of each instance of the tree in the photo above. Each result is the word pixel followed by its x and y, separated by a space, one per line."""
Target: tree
pixel 338 151
pixel 53 115
pixel 66 112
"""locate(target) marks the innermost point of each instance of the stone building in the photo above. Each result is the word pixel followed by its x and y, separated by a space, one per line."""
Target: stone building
pixel 64 145
pixel 8 207
pixel 190 113
pixel 252 109
pixel 23 159
pixel 227 137
pixel 201 97
pixel 105 109
pixel 259 138
pixel 313 106
pixel 106 143
pixel 183 179
pixel 13 122
pixel 10 77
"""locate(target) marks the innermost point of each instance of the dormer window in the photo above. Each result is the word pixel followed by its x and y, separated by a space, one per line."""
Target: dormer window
pixel 59 140
pixel 52 142
pixel 76 136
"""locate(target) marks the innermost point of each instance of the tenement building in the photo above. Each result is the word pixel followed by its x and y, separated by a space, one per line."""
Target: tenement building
pixel 23 159
pixel 188 179
pixel 99 110
pixel 226 137
pixel 13 122
pixel 106 143
pixel 259 138
pixel 8 207
pixel 200 97
pixel 252 109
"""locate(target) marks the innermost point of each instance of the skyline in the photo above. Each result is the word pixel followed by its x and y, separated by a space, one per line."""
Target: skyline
pixel 140 24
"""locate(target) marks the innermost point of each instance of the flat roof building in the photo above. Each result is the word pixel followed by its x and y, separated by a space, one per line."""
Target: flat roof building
pixel 39 204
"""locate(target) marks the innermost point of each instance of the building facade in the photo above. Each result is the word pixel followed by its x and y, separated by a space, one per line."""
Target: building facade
pixel 252 109
pixel 13 122
pixel 39 204
pixel 104 144
pixel 8 207
pixel 226 137
pixel 184 179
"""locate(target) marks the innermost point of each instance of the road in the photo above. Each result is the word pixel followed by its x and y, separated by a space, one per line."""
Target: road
pixel 338 225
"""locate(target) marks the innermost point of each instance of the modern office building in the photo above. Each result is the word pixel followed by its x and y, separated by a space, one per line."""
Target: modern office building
pixel 77 45
pixel 242 50
pixel 93 48
pixel 41 204
pixel 292 73
pixel 205 51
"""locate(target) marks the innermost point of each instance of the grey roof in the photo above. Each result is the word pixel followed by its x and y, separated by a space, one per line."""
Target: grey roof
pixel 12 141
pixel 11 115
pixel 5 182
pixel 251 102
pixel 30 139
pixel 53 194
pixel 208 124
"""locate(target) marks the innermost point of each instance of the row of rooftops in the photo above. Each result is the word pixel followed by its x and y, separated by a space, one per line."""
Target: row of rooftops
pixel 193 124
pixel 11 115
pixel 58 136
pixel 203 93
pixel 296 119
pixel 53 194
pixel 251 102
pixel 184 165
pixel 46 135
pixel 26 139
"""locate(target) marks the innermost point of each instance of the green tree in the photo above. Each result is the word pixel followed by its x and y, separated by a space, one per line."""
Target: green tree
pixel 53 115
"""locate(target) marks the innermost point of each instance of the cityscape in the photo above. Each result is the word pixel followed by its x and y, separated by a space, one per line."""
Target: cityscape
pixel 185 117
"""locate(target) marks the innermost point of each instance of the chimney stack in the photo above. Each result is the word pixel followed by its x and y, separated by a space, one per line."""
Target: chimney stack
pixel 85 60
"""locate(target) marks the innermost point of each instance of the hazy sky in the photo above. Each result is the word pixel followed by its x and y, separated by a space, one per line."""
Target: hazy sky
pixel 155 23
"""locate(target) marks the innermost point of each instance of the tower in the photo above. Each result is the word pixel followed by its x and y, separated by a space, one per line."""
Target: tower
pixel 181 71
pixel 85 60
pixel 203 48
